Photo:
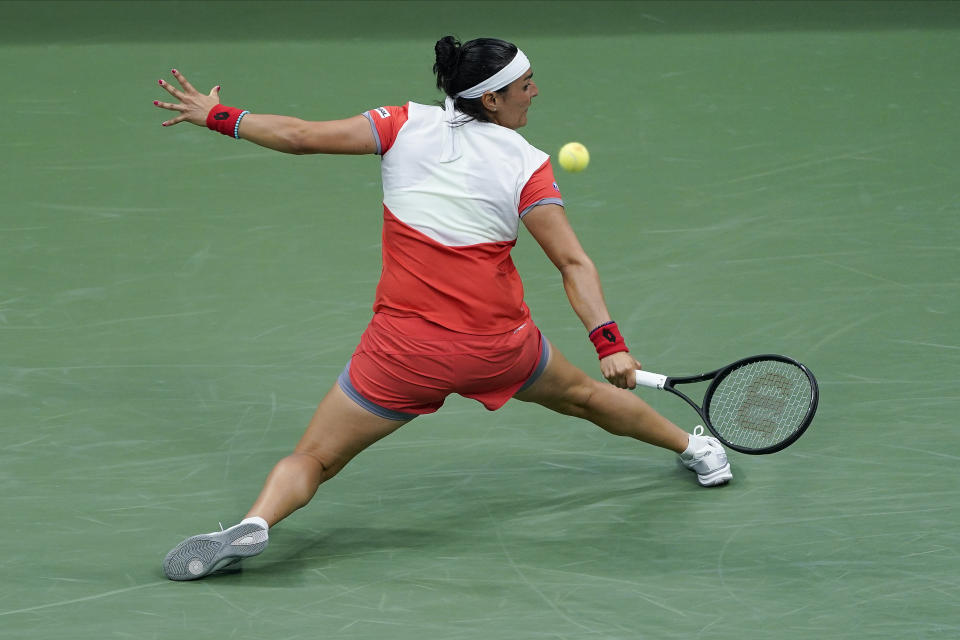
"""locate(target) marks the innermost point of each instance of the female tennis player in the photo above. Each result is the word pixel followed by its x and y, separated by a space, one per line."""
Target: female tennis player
pixel 449 315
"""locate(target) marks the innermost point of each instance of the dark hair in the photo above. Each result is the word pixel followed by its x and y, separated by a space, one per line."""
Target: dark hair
pixel 460 67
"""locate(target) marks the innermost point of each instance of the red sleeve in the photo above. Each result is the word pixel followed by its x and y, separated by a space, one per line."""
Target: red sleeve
pixel 386 123
pixel 541 188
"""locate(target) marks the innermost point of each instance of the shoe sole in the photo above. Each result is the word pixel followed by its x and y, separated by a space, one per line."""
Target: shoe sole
pixel 199 556
pixel 714 478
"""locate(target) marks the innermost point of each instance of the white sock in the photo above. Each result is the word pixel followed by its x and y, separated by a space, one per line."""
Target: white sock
pixel 693 443
pixel 257 520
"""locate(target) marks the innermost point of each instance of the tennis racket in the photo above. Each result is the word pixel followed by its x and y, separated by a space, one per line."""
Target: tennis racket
pixel 756 405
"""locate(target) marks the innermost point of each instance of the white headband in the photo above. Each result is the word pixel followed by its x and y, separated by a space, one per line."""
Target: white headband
pixel 500 79
pixel 450 145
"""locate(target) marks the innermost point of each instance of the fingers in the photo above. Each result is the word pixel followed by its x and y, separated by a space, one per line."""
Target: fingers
pixel 620 370
pixel 171 90
pixel 619 379
pixel 170 106
pixel 191 105
pixel 178 119
pixel 183 81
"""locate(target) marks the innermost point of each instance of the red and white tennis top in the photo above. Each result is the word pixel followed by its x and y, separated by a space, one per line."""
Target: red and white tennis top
pixel 448 227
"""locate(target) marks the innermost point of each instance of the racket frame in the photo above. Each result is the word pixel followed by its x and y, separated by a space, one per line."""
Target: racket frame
pixel 666 383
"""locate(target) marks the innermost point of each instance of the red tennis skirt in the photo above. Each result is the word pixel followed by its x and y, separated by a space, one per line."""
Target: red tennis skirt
pixel 407 366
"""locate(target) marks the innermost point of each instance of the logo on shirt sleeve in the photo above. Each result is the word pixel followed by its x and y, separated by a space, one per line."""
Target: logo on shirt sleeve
pixel 383 112
pixel 556 187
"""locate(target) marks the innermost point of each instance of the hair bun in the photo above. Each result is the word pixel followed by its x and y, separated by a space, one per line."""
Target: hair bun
pixel 447 51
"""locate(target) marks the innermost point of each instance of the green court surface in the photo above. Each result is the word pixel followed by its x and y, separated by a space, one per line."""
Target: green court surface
pixel 766 177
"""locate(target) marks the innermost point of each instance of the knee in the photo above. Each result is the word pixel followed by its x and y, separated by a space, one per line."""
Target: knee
pixel 313 465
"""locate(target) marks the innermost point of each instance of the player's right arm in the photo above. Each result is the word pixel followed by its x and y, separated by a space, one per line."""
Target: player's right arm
pixel 549 226
pixel 281 133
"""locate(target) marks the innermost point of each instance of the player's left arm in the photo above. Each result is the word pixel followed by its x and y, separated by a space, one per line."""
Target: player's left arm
pixel 281 133
pixel 293 135
pixel 549 226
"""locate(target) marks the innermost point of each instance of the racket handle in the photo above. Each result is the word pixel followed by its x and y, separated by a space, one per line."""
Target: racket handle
pixel 652 380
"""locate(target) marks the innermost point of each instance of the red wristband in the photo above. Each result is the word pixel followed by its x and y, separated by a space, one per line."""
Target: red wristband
pixel 607 339
pixel 224 119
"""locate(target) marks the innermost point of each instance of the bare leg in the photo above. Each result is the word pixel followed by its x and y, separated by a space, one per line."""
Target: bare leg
pixel 339 430
pixel 568 390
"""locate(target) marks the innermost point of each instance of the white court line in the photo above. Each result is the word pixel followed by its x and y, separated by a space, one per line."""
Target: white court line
pixel 160 316
pixel 927 344
pixel 63 603
pixel 923 451
pixel 847 328
pixel 852 155
pixel 866 274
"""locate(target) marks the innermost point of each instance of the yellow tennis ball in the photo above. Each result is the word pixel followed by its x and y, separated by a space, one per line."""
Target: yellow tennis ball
pixel 574 157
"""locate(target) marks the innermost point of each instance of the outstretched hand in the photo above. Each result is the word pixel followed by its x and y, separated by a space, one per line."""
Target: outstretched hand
pixel 193 106
pixel 620 369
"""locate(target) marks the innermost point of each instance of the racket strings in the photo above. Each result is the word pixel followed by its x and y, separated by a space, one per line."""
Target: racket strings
pixel 761 403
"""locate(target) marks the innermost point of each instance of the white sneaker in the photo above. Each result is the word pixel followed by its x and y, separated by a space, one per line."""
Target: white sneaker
pixel 705 456
pixel 201 555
